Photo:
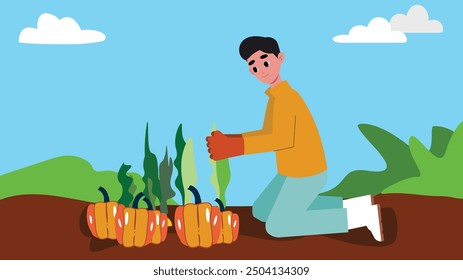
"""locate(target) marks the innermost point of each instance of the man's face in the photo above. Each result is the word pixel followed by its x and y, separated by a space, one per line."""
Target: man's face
pixel 265 66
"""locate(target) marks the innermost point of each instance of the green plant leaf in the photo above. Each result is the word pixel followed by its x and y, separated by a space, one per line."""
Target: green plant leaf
pixel 455 148
pixel 440 140
pixel 224 176
pixel 421 155
pixel 179 146
pixel 128 187
pixel 151 176
pixel 214 177
pixel 189 176
pixel 165 174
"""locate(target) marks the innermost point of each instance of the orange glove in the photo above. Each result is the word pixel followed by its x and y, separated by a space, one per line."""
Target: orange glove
pixel 222 146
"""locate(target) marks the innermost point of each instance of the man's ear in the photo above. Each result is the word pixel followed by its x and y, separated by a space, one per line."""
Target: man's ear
pixel 281 57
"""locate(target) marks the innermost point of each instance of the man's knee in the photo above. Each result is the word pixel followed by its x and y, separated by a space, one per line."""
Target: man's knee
pixel 275 229
pixel 258 213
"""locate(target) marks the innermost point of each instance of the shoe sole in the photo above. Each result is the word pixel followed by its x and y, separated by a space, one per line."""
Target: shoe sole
pixel 380 217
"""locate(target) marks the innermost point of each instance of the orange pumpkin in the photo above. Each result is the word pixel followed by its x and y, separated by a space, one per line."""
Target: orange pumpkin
pixel 160 225
pixel 101 217
pixel 229 224
pixel 193 223
pixel 137 226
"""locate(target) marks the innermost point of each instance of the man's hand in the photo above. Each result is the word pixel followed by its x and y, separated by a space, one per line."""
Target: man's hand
pixel 222 146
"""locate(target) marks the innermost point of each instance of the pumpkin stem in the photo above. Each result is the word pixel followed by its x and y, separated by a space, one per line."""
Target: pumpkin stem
pixel 136 200
pixel 220 203
pixel 148 202
pixel 104 193
pixel 195 194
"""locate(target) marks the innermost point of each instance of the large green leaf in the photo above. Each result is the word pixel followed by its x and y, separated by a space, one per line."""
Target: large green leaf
pixel 399 166
pixel 151 176
pixel 165 174
pixel 189 177
pixel 179 146
pixel 128 187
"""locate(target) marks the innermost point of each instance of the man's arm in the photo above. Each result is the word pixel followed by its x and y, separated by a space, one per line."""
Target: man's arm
pixel 278 132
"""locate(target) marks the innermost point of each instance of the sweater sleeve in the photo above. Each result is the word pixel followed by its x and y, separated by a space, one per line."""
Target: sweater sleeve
pixel 278 131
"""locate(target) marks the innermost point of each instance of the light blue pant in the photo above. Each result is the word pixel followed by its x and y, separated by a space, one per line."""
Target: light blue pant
pixel 293 207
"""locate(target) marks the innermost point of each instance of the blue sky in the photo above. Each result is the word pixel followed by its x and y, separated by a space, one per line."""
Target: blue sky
pixel 171 62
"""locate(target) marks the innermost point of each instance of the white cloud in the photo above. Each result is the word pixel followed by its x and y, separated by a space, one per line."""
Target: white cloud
pixel 54 31
pixel 377 31
pixel 416 21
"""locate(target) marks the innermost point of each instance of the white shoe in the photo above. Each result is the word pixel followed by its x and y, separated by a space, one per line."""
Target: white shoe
pixel 358 202
pixel 367 216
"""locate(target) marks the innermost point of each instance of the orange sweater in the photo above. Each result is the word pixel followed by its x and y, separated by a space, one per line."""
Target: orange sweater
pixel 290 131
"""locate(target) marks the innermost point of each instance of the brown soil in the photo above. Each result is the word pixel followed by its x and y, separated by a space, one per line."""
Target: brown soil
pixel 415 227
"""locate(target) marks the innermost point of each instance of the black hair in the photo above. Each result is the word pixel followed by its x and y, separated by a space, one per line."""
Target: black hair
pixel 253 44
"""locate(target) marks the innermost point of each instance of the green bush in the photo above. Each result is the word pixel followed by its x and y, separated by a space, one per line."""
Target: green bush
pixel 440 168
pixel 409 168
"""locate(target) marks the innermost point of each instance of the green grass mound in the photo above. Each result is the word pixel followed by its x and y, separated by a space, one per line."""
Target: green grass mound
pixel 67 176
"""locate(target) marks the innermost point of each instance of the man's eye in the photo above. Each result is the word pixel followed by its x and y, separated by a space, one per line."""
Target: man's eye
pixel 266 64
pixel 255 69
